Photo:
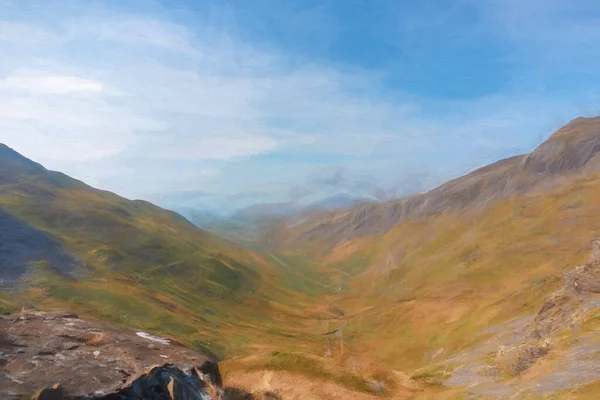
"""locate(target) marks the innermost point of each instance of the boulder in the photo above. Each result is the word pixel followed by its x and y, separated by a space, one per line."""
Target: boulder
pixel 60 356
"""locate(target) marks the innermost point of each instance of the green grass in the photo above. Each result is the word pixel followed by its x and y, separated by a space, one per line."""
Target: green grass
pixel 148 268
pixel 8 304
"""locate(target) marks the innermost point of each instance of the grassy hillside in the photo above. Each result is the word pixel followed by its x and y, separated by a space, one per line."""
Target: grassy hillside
pixel 419 291
pixel 139 265
pixel 416 286
pixel 432 284
pixel 421 297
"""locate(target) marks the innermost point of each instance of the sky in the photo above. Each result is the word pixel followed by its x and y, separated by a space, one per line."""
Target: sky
pixel 219 105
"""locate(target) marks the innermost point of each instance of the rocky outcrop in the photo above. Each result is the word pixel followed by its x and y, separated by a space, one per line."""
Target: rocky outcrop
pixel 60 356
pixel 165 382
pixel 559 311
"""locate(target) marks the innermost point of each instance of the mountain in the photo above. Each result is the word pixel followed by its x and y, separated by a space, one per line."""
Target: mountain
pixel 485 287
pixel 130 264
pixel 235 230
pixel 245 225
pixel 65 245
pixel 480 286
pixel 572 149
pixel 267 212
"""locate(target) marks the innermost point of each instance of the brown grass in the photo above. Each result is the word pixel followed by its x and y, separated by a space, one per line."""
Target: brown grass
pixel 297 387
pixel 460 273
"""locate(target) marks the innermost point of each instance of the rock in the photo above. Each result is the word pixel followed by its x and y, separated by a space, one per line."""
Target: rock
pixel 526 357
pixel 167 382
pixel 585 278
pixel 595 257
pixel 161 340
pixel 160 382
pixel 557 313
pixel 40 350
pixel 54 392
pixel 71 345
pixel 66 316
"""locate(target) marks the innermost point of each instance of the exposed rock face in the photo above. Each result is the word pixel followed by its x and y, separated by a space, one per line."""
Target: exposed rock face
pixel 164 382
pixel 64 357
pixel 558 312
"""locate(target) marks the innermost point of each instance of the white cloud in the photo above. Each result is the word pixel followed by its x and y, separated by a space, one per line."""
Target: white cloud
pixel 52 128
pixel 226 100
pixel 193 101
pixel 49 84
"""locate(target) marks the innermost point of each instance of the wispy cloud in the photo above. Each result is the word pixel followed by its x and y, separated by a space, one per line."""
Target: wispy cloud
pixel 49 84
pixel 149 104
pixel 132 30
pixel 218 148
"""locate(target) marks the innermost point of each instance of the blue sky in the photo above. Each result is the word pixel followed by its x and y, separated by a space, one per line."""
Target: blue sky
pixel 207 104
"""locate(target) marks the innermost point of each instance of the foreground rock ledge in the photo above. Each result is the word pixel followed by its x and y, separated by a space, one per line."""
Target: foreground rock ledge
pixel 60 356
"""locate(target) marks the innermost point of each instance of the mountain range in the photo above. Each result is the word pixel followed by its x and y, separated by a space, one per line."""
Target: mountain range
pixel 484 287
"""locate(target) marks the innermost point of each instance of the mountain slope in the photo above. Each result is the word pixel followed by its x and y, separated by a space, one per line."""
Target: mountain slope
pixel 21 244
pixel 143 267
pixel 69 246
pixel 443 284
pixel 440 283
pixel 572 149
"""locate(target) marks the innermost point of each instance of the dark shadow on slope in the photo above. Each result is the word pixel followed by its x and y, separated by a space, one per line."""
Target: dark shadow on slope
pixel 232 393
pixel 21 244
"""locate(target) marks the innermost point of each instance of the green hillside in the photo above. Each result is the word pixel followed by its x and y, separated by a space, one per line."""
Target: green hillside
pixel 138 265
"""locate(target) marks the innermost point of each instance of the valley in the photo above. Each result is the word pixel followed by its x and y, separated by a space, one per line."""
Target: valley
pixel 485 287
